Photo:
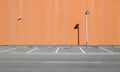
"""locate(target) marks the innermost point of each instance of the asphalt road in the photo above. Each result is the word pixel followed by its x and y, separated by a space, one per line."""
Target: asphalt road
pixel 59 59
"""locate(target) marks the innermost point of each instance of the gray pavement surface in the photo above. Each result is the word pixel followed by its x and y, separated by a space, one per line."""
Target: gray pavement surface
pixel 59 59
pixel 66 50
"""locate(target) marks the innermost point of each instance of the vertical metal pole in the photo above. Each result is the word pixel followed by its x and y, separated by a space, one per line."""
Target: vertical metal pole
pixel 87 31
pixel 87 13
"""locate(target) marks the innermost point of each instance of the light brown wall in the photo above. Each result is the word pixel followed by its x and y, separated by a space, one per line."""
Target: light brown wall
pixel 51 22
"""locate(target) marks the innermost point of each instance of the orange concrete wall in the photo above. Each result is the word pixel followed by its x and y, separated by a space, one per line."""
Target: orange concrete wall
pixel 51 22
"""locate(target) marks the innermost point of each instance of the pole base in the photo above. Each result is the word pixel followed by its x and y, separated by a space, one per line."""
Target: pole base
pixel 86 44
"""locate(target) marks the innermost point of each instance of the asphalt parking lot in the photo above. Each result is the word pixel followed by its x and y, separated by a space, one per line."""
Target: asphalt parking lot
pixel 59 59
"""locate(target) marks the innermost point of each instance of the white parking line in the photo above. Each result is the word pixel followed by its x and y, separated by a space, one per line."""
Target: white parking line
pixel 82 51
pixel 106 50
pixel 56 62
pixel 71 62
pixel 7 50
pixel 48 53
pixel 32 50
pixel 57 50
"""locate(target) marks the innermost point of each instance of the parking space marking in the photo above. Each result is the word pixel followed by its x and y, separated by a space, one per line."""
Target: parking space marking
pixel 7 50
pixel 71 62
pixel 32 50
pixel 82 51
pixel 57 62
pixel 57 50
pixel 48 53
pixel 106 50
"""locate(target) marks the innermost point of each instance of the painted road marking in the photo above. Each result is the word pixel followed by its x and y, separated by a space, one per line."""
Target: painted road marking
pixel 56 62
pixel 106 50
pixel 32 50
pixel 71 62
pixel 82 51
pixel 57 50
pixel 7 50
pixel 48 53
